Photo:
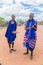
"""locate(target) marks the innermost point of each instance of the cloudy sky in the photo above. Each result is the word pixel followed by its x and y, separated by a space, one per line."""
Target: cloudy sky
pixel 21 8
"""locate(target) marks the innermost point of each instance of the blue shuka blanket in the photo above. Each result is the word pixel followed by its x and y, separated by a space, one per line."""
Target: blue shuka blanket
pixel 32 31
pixel 30 36
pixel 11 27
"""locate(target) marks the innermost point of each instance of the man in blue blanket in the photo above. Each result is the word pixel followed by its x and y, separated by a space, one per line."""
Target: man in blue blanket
pixel 30 35
pixel 11 33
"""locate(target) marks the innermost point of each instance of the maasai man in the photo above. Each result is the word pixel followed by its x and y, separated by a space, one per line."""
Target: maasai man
pixel 30 35
pixel 11 33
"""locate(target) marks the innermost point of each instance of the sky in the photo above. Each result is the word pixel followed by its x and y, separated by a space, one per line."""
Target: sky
pixel 21 9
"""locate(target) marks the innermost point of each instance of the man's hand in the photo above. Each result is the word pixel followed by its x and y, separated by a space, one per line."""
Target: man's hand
pixel 27 28
pixel 14 32
pixel 35 27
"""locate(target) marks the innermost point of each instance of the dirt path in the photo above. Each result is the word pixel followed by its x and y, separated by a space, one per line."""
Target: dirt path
pixel 17 58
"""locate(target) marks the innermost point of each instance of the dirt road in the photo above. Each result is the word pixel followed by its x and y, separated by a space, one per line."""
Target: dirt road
pixel 17 58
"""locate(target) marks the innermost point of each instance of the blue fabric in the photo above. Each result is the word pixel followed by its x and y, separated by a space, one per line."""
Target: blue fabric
pixel 32 31
pixel 30 35
pixel 11 27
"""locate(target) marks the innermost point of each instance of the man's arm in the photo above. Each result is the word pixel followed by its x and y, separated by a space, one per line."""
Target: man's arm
pixel 35 26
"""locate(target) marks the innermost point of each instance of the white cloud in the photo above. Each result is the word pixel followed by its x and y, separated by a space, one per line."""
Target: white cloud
pixel 19 10
pixel 6 2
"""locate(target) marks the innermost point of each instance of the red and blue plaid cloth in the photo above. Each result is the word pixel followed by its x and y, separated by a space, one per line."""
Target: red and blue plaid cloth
pixel 29 43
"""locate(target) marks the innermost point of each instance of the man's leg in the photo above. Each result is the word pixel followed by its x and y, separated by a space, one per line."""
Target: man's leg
pixel 31 57
pixel 26 52
pixel 10 48
pixel 13 46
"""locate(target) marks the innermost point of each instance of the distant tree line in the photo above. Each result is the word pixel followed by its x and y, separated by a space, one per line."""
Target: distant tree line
pixel 3 22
